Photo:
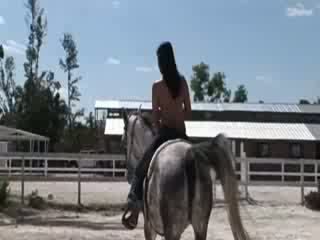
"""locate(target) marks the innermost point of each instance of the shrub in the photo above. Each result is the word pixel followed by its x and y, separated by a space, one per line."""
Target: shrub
pixel 35 201
pixel 313 200
pixel 4 192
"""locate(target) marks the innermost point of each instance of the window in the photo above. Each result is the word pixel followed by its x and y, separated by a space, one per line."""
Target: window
pixel 295 150
pixel 264 150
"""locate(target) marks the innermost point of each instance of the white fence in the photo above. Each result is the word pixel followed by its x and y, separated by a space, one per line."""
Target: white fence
pixel 291 172
pixel 251 171
pixel 85 169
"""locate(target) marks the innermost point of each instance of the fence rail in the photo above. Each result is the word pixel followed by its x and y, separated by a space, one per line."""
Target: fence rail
pixel 247 175
pixel 250 171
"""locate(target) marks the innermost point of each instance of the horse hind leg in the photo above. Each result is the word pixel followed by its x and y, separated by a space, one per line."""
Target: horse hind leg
pixel 200 220
pixel 200 229
pixel 173 228
pixel 201 234
pixel 149 233
pixel 172 235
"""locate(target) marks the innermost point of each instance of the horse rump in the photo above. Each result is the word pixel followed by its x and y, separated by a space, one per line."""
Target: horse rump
pixel 217 154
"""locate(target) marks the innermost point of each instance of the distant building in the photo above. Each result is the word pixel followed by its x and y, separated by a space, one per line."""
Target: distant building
pixel 17 140
pixel 256 129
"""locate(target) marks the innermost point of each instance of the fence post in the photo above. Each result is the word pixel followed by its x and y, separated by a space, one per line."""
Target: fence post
pixel 22 181
pixel 302 180
pixel 316 167
pixel 243 172
pixel 282 170
pixel 246 178
pixel 214 185
pixel 214 189
pixel 233 146
pixel 10 164
pixel 46 167
pixel 79 181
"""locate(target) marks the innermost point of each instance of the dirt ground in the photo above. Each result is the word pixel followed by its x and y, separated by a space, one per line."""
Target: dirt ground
pixel 277 215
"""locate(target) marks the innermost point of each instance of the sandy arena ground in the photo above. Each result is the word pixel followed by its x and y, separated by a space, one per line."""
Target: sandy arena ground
pixel 277 215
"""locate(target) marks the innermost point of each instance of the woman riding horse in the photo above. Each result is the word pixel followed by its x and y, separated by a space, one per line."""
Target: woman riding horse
pixel 170 108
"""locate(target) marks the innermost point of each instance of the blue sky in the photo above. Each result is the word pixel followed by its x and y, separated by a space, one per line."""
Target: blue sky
pixel 272 47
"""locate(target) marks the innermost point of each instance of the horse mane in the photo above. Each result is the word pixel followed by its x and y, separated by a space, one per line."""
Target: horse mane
pixel 146 118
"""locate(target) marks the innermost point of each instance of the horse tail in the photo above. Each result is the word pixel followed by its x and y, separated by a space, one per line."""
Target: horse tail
pixel 217 154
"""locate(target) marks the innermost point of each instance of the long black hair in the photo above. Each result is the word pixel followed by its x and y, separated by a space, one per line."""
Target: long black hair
pixel 168 68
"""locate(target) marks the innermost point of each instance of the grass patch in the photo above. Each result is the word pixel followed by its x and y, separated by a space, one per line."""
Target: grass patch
pixel 35 204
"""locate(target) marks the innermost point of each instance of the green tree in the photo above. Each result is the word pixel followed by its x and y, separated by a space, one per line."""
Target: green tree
pixel 227 96
pixel 42 110
pixel 7 85
pixel 199 81
pixel 216 89
pixel 37 23
pixel 10 93
pixel 206 89
pixel 1 52
pixel 90 121
pixel 241 94
pixel 69 64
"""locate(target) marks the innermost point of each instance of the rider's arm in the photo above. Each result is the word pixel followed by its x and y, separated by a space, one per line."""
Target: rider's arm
pixel 155 107
pixel 187 104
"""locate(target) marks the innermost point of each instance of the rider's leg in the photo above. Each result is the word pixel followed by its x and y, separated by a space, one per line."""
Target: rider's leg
pixel 164 135
pixel 143 165
pixel 135 194
pixel 136 190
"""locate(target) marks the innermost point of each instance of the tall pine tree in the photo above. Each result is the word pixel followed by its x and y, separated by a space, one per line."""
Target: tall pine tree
pixel 69 65
pixel 42 110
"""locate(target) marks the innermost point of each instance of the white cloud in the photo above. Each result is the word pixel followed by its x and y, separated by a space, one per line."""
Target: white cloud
pixel 115 4
pixel 113 61
pixel 13 47
pixel 144 69
pixel 299 10
pixel 2 20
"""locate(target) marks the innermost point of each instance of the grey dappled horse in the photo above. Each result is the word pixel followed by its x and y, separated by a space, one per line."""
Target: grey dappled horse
pixel 178 186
